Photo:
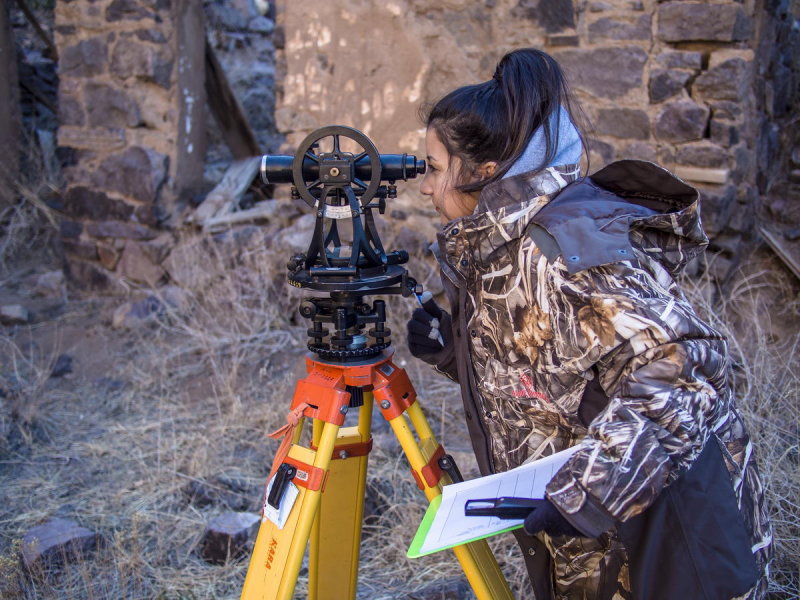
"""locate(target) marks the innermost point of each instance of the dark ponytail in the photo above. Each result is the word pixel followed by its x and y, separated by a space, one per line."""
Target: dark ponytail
pixel 495 120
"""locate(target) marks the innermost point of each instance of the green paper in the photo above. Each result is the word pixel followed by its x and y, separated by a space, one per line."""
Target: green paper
pixel 414 551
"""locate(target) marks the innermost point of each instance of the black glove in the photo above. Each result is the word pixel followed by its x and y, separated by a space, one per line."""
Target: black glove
pixel 546 517
pixel 430 331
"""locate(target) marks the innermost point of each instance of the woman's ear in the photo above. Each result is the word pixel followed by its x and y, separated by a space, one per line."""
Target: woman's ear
pixel 487 169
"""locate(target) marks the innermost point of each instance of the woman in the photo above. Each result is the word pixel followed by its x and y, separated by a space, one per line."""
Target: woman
pixel 566 328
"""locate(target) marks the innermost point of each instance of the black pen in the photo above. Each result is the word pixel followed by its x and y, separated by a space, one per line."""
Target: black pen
pixel 506 507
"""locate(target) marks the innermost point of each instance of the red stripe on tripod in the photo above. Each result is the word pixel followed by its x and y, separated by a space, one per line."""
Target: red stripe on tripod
pixel 352 450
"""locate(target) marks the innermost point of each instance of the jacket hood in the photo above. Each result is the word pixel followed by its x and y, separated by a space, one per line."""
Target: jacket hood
pixel 505 209
pixel 595 219
pixel 569 147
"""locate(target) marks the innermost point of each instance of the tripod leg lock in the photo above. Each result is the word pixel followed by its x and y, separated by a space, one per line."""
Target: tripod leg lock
pixel 301 474
pixel 283 476
pixel 449 466
pixel 308 476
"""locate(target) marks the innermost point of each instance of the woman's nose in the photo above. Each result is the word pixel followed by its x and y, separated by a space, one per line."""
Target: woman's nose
pixel 425 187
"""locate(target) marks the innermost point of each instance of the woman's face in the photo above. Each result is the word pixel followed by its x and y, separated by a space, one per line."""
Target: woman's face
pixel 440 180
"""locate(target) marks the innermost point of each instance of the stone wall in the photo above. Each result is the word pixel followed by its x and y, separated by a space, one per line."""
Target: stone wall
pixel 131 108
pixel 674 82
pixel 705 89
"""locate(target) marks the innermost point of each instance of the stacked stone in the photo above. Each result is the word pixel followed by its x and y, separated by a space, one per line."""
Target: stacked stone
pixel 131 106
pixel 672 83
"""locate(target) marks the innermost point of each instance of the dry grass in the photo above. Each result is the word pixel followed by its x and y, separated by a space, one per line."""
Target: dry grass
pixel 189 398
pixel 24 226
pixel 29 224
pixel 185 399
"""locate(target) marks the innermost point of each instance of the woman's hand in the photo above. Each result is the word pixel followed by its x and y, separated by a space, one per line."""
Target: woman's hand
pixel 430 331
pixel 546 517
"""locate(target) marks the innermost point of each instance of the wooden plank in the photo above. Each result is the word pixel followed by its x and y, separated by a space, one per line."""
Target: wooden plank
pixel 781 248
pixel 227 111
pixel 41 98
pixel 261 212
pixel 10 121
pixel 701 175
pixel 189 143
pixel 39 31
pixel 225 197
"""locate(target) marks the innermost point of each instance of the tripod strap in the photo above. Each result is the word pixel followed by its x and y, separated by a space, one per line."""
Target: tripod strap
pixel 287 432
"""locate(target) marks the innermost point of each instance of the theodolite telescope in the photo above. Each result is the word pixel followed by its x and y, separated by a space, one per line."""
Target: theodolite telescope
pixel 345 187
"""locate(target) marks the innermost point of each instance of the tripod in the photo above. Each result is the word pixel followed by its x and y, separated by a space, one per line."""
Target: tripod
pixel 316 492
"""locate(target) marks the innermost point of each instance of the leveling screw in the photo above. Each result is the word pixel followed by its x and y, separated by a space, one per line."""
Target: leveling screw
pixel 385 404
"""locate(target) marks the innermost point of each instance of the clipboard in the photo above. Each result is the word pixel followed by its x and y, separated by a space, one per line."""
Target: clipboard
pixel 444 524
pixel 415 550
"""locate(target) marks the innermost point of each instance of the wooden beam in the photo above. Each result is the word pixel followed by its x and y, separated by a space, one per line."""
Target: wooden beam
pixel 781 248
pixel 41 32
pixel 10 120
pixel 34 91
pixel 227 111
pixel 190 131
pixel 262 212
pixel 225 197
pixel 700 175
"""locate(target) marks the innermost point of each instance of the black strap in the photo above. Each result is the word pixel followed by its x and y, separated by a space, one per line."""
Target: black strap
pixel 544 241
pixel 593 401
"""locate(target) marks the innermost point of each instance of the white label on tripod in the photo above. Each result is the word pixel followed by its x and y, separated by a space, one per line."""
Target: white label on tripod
pixel 280 515
pixel 338 212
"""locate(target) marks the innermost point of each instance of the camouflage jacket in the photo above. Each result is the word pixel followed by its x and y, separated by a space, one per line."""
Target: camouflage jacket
pixel 570 330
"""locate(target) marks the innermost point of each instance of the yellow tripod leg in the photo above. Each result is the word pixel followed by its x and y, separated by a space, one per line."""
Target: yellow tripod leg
pixel 278 553
pixel 476 559
pixel 336 537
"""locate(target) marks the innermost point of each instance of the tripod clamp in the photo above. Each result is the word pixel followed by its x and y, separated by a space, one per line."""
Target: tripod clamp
pixel 283 476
